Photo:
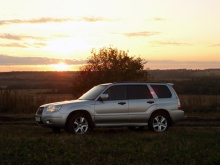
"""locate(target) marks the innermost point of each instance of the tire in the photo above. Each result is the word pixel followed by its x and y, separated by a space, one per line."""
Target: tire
pixel 159 122
pixel 79 123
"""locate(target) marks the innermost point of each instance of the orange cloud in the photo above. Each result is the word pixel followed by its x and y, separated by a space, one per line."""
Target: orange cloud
pixel 159 19
pixel 24 45
pixel 215 45
pixel 34 21
pixel 52 20
pixel 14 45
pixel 141 34
pixel 173 43
pixel 16 37
pixel 12 60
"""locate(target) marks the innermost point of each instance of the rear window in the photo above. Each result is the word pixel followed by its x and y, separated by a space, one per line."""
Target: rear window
pixel 162 91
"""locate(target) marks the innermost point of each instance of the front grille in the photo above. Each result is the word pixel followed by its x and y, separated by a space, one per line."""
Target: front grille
pixel 40 110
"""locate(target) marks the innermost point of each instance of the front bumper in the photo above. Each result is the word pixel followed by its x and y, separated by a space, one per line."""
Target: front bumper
pixel 38 120
pixel 48 119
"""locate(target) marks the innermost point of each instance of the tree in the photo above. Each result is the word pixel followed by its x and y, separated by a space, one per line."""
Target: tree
pixel 109 65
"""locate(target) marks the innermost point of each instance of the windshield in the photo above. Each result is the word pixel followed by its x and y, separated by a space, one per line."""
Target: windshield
pixel 93 93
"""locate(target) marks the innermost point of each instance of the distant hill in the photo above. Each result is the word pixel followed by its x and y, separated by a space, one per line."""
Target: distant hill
pixel 37 80
pixel 183 74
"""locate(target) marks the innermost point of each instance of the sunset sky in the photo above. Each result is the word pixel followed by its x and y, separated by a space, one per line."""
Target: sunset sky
pixel 59 35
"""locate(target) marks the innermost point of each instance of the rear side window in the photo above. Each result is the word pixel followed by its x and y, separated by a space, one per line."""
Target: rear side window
pixel 138 92
pixel 162 91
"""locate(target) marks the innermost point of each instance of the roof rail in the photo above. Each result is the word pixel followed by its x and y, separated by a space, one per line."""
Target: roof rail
pixel 130 82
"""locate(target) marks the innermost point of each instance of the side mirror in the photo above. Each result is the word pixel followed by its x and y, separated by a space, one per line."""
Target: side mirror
pixel 104 97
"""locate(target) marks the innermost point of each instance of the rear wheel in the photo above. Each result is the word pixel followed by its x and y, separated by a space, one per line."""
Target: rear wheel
pixel 79 124
pixel 159 122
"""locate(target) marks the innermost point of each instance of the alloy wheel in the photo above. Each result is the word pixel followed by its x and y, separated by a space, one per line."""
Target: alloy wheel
pixel 160 123
pixel 80 125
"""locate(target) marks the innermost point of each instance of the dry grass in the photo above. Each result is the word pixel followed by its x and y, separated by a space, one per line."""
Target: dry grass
pixel 27 101
pixel 200 103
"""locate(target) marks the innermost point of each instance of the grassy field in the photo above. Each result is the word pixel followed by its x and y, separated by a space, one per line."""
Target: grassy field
pixel 31 144
pixel 195 141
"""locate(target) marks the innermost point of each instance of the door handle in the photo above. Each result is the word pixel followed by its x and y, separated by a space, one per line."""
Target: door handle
pixel 122 103
pixel 150 102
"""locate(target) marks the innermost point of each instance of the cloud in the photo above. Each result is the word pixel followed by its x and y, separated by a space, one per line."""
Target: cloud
pixel 140 34
pixel 52 20
pixel 16 37
pixel 93 19
pixel 24 45
pixel 172 64
pixel 159 19
pixel 16 45
pixel 10 36
pixel 39 44
pixel 215 45
pixel 173 43
pixel 9 61
pixel 34 21
pixel 12 60
pixel 21 42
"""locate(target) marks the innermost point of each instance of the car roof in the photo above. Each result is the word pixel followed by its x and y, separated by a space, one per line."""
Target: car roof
pixel 137 82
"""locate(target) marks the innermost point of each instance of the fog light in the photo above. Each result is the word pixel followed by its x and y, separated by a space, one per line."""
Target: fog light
pixel 48 121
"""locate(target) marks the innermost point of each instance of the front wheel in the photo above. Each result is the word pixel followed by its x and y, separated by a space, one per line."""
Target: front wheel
pixel 79 124
pixel 159 122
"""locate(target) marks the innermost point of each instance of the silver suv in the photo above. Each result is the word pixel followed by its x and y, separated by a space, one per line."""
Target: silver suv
pixel 134 105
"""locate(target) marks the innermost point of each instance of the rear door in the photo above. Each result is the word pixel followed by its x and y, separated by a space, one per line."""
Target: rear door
pixel 114 110
pixel 140 100
pixel 165 99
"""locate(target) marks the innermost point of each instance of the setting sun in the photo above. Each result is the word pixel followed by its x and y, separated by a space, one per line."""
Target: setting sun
pixel 61 67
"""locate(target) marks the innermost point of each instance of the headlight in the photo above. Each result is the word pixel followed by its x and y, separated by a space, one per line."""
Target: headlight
pixel 53 108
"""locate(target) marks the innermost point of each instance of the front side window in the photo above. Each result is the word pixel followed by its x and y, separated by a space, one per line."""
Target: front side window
pixel 118 92
pixel 162 91
pixel 93 93
pixel 138 92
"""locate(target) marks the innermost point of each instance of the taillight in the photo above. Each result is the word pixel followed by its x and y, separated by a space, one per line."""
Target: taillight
pixel 179 105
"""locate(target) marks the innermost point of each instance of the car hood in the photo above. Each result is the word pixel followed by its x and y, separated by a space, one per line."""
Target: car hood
pixel 68 102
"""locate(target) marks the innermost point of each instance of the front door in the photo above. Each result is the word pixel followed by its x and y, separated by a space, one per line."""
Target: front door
pixel 113 110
